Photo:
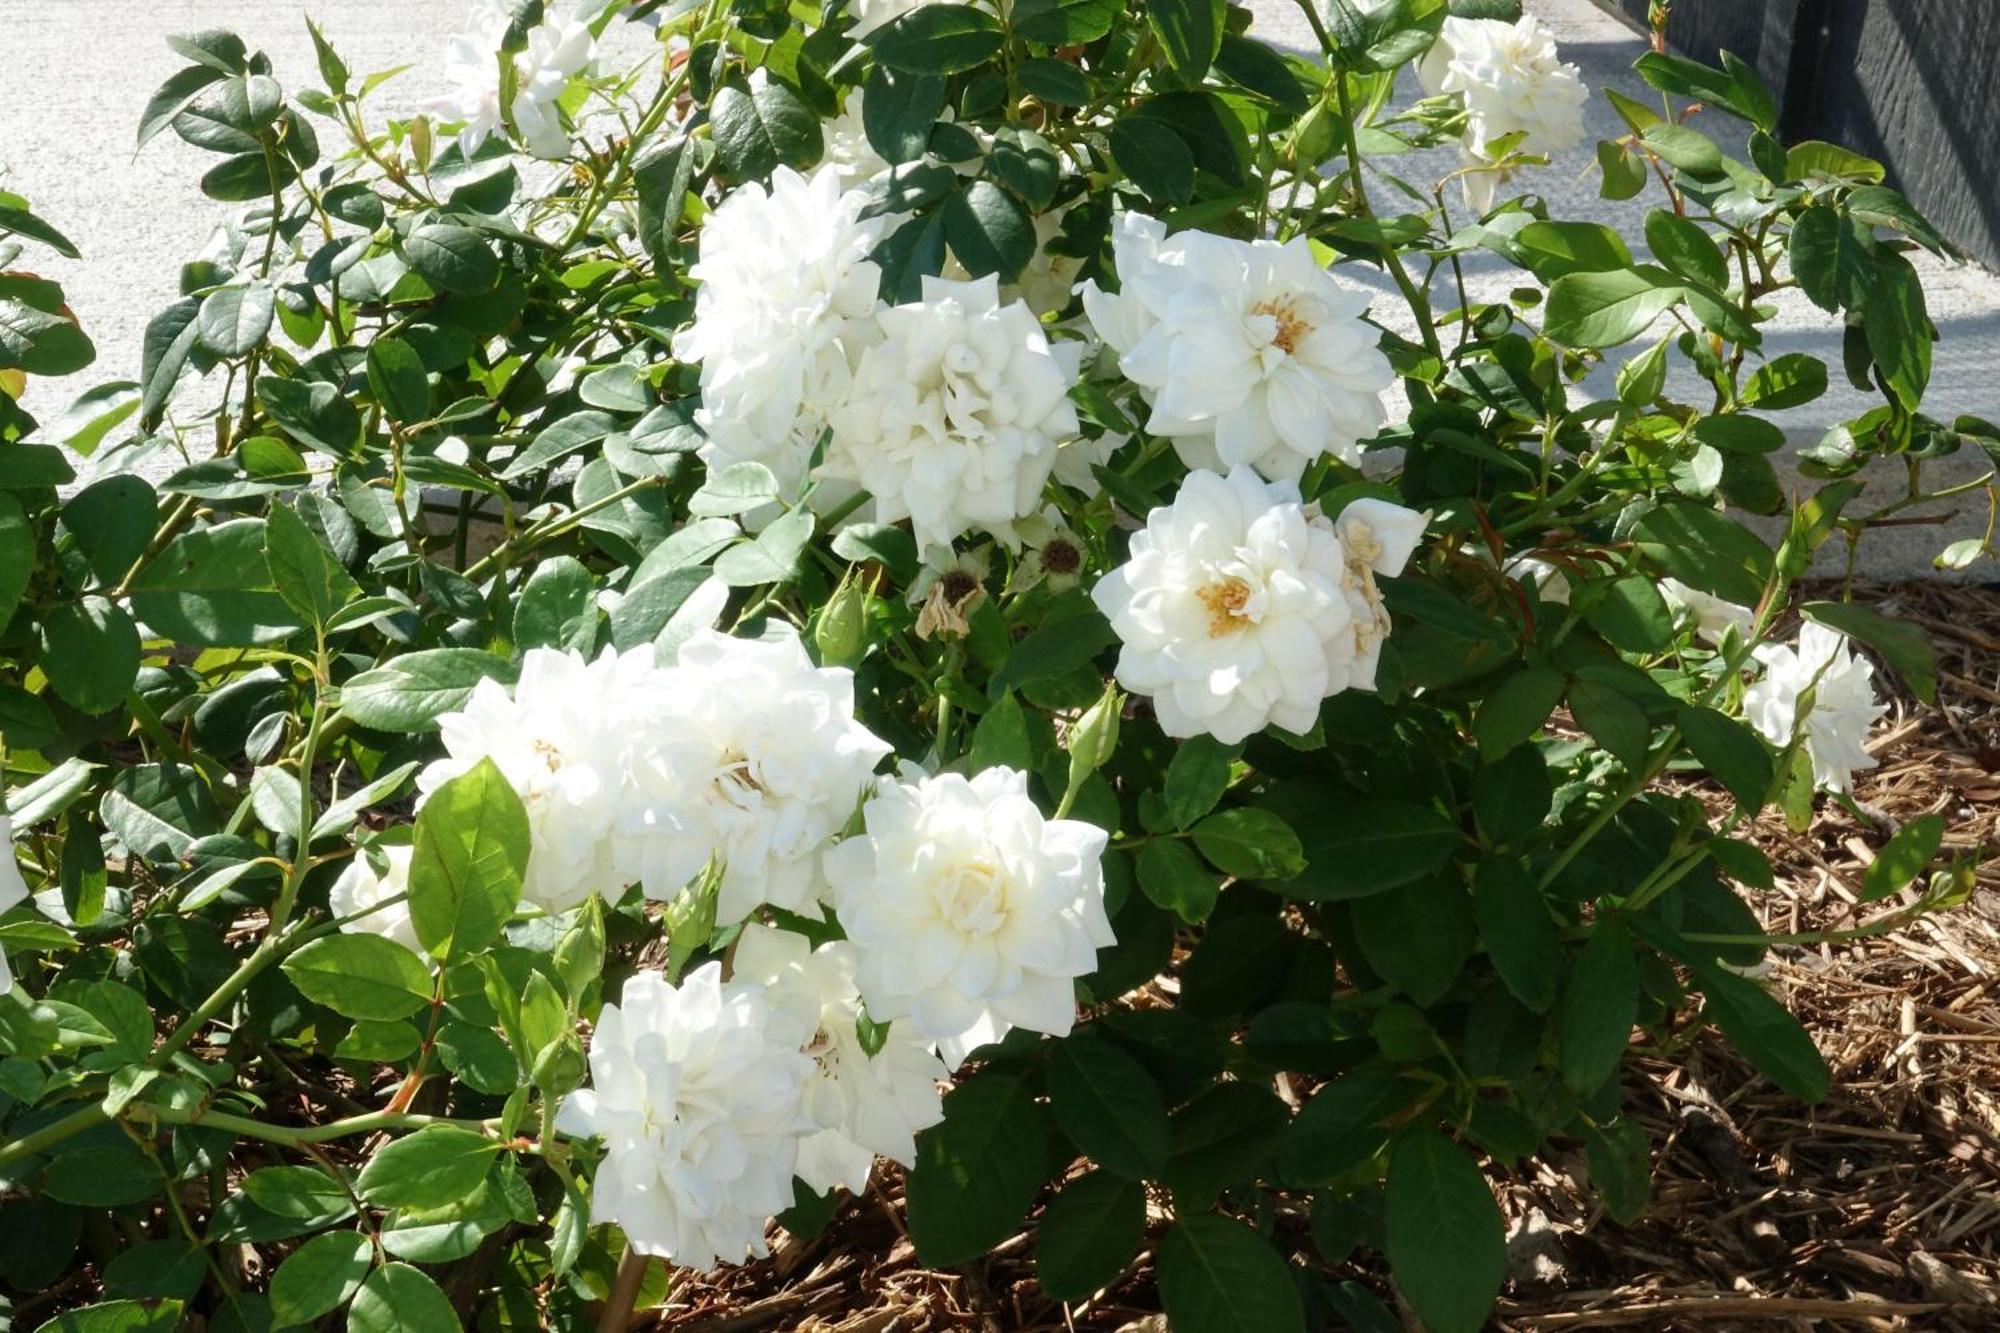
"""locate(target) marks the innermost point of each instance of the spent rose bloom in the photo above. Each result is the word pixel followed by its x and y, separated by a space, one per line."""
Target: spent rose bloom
pixel 754 760
pixel 1513 81
pixel 13 890
pixel 563 739
pixel 558 48
pixel 1712 617
pixel 695 1090
pixel 970 913
pixel 786 286
pixel 1239 607
pixel 360 890
pixel 1250 352
pixel 863 1105
pixel 956 412
pixel 1843 707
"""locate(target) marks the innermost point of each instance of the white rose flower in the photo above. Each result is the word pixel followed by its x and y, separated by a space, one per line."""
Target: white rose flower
pixel 864 1105
pixel 1249 351
pixel 695 1091
pixel 786 285
pixel 1513 81
pixel 359 889
pixel 13 890
pixel 755 761
pixel 847 148
pixel 1844 705
pixel 1550 583
pixel 563 740
pixel 971 913
pixel 1378 538
pixel 559 48
pixel 1048 279
pixel 1712 616
pixel 956 413
pixel 1240 608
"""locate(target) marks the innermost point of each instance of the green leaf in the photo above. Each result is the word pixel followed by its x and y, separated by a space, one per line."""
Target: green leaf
pixel 452 258
pixel 1606 309
pixel 1418 936
pixel 1906 856
pixel 1705 550
pixel 1088 1234
pixel 1219 1276
pixel 308 577
pixel 1445 1240
pixel 1357 848
pixel 1631 613
pixel 436 1165
pixel 1226 1136
pixel 772 557
pixel 1342 1127
pixel 234 320
pixel 1197 776
pixel 1064 22
pixel 90 653
pixel 118 1317
pixel 736 488
pixel 1903 646
pixel 1154 156
pixel 1791 380
pixel 1518 932
pixel 1599 1005
pixel 1255 67
pixel 760 130
pixel 1109 1106
pixel 212 586
pixel 41 342
pixel 300 1193
pixel 1190 32
pixel 559 439
pixel 1690 150
pixel 1621 1167
pixel 977 1172
pixel 986 227
pixel 898 112
pixel 1731 752
pixel 1173 877
pixel 361 976
pixel 414 689
pixel 311 412
pixel 1833 257
pixel 1899 329
pixel 397 1298
pixel 470 857
pixel 1769 1037
pixel 1516 709
pixel 1250 843
pixel 937 39
pixel 319 1277
pixel 21 222
pixel 556 608
pixel 1553 249
pixel 100 1177
pixel 397 380
pixel 1683 246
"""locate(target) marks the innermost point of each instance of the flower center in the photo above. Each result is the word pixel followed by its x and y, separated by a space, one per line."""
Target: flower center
pixel 958 585
pixel 973 898
pixel 1225 599
pixel 735 779
pixel 551 756
pixel 1060 557
pixel 1291 325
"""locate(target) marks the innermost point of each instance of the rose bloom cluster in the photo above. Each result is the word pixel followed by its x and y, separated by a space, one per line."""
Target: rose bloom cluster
pixel 738 770
pixel 955 910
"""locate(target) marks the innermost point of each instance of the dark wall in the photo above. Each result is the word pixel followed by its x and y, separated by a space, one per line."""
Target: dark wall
pixel 1912 82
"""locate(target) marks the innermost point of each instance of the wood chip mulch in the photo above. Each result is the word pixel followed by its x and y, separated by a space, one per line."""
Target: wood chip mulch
pixel 1877 1209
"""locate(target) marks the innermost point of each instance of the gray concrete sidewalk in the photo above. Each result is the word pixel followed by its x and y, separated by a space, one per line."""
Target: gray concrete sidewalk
pixel 79 73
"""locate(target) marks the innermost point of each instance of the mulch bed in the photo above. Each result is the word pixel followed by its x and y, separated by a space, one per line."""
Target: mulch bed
pixel 1877 1209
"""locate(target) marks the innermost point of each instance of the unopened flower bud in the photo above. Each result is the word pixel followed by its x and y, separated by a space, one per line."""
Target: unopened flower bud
pixel 1095 737
pixel 841 632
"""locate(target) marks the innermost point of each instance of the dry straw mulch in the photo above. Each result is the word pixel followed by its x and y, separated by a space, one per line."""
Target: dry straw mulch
pixel 1879 1209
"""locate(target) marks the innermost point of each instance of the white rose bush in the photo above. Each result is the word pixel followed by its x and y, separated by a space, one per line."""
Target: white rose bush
pixel 873 606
